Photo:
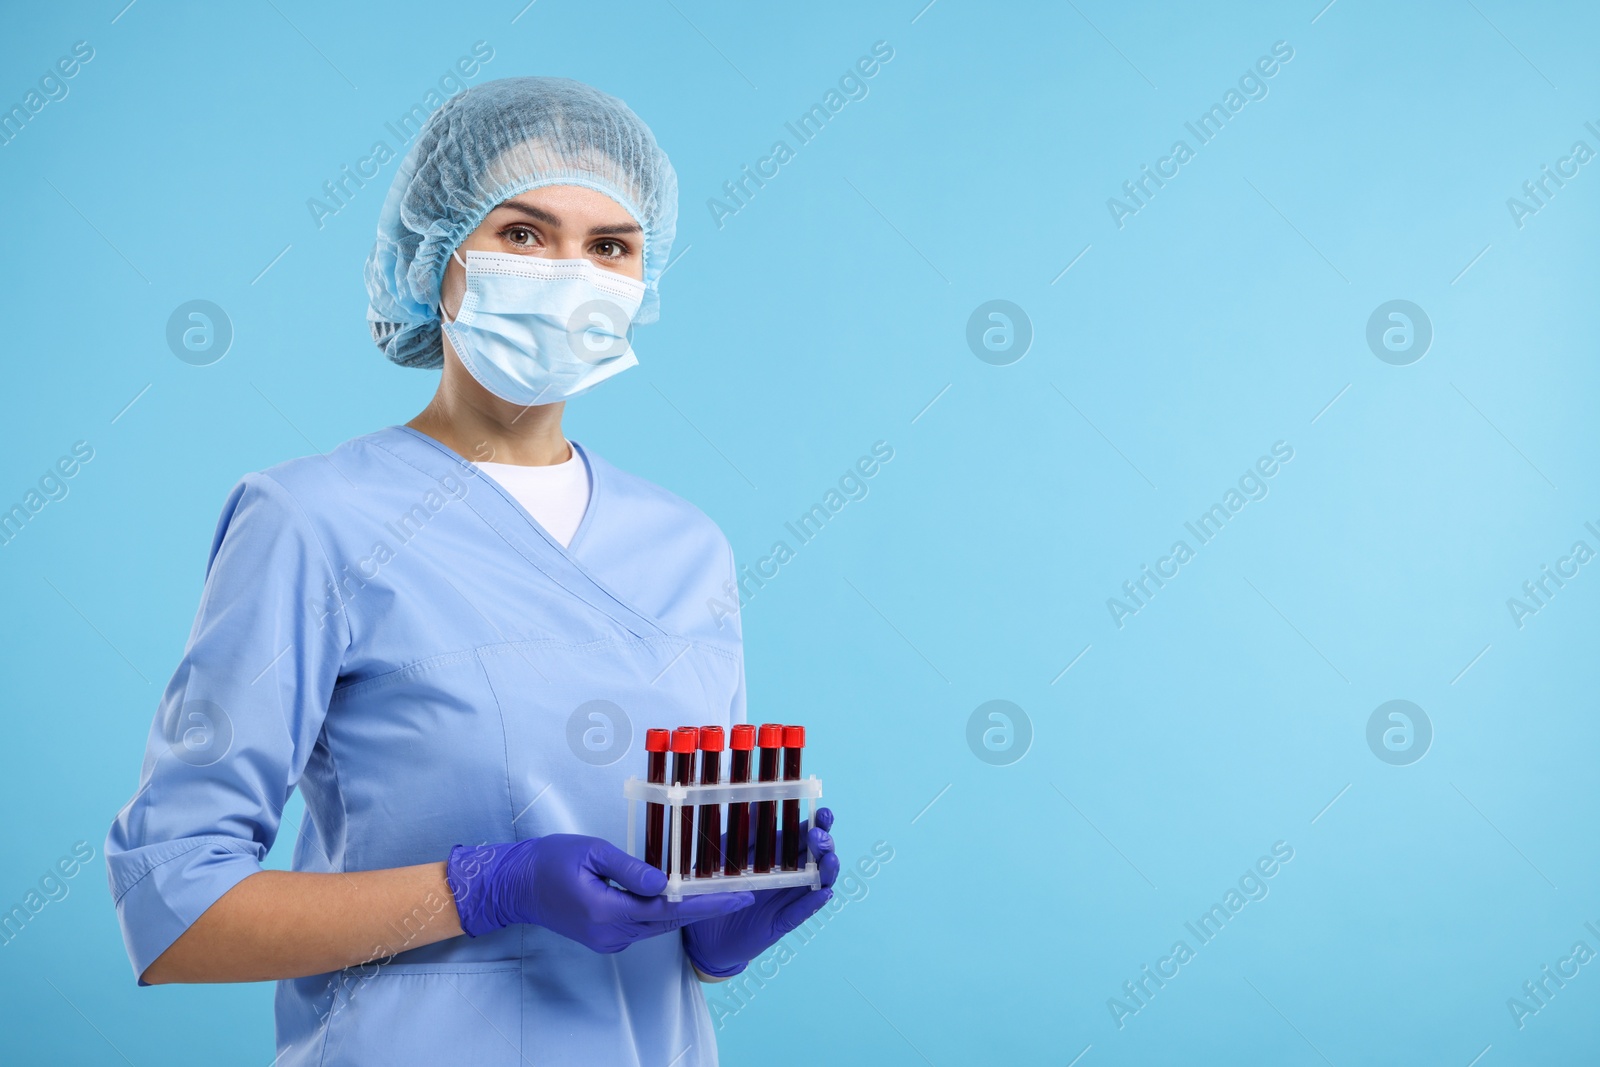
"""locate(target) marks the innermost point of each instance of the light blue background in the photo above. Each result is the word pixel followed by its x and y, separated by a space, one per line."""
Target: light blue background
pixel 826 315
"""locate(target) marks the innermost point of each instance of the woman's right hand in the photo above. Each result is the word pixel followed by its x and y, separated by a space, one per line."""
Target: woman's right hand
pixel 559 882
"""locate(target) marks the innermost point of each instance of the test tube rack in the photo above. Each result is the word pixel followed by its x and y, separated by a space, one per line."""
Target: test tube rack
pixel 676 797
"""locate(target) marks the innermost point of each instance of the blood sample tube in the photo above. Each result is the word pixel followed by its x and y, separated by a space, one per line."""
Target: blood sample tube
pixel 685 739
pixel 656 743
pixel 738 852
pixel 709 856
pixel 794 742
pixel 769 739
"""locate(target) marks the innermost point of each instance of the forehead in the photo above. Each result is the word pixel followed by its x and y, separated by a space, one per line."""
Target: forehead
pixel 571 206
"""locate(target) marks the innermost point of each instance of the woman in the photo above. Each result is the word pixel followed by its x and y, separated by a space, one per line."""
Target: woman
pixel 452 666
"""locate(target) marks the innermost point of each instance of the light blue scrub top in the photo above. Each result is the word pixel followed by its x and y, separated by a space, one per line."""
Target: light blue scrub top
pixel 397 638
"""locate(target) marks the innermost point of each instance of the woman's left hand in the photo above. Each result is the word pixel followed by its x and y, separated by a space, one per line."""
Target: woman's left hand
pixel 721 947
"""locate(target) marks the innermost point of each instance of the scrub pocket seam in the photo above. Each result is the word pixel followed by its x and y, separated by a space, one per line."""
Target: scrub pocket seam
pixel 505 647
pixel 505 742
pixel 423 969
pixel 402 674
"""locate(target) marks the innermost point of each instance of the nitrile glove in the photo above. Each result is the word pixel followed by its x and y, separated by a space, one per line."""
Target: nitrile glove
pixel 559 882
pixel 723 946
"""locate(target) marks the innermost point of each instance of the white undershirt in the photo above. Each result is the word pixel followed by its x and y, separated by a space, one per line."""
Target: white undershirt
pixel 556 495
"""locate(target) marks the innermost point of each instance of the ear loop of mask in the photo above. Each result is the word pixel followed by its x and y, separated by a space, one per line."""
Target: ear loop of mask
pixel 455 255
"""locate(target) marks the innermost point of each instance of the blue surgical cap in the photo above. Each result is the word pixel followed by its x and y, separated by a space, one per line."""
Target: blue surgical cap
pixel 484 146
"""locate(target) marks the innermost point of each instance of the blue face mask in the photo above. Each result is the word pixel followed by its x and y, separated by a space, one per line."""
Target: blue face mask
pixel 539 331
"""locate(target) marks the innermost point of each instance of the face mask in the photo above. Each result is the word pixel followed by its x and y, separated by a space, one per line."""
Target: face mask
pixel 537 331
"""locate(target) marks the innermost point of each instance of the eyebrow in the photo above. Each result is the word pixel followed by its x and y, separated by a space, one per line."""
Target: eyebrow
pixel 545 217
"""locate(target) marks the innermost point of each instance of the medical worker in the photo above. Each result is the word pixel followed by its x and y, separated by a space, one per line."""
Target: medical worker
pixel 450 636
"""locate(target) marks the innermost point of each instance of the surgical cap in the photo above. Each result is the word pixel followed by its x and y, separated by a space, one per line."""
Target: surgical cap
pixel 484 146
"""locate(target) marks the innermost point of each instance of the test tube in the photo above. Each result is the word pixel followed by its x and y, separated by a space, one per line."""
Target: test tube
pixel 794 742
pixel 709 856
pixel 685 739
pixel 742 741
pixel 656 743
pixel 769 739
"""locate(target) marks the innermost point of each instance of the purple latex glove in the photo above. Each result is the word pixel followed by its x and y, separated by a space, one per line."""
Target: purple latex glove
pixel 723 946
pixel 559 882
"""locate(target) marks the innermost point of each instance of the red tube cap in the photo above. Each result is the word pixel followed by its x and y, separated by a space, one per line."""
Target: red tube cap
pixel 711 739
pixel 685 739
pixel 657 740
pixel 770 736
pixel 794 737
pixel 744 738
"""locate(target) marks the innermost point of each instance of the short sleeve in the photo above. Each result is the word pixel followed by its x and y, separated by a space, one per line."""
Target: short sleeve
pixel 236 724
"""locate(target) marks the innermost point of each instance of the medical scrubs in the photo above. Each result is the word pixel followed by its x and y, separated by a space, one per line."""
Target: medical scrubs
pixel 388 631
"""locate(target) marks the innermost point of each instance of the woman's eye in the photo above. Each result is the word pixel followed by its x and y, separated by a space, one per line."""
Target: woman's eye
pixel 610 249
pixel 521 236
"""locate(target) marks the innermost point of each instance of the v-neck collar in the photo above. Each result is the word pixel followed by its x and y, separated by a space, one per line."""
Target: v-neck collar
pixel 588 508
pixel 532 541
